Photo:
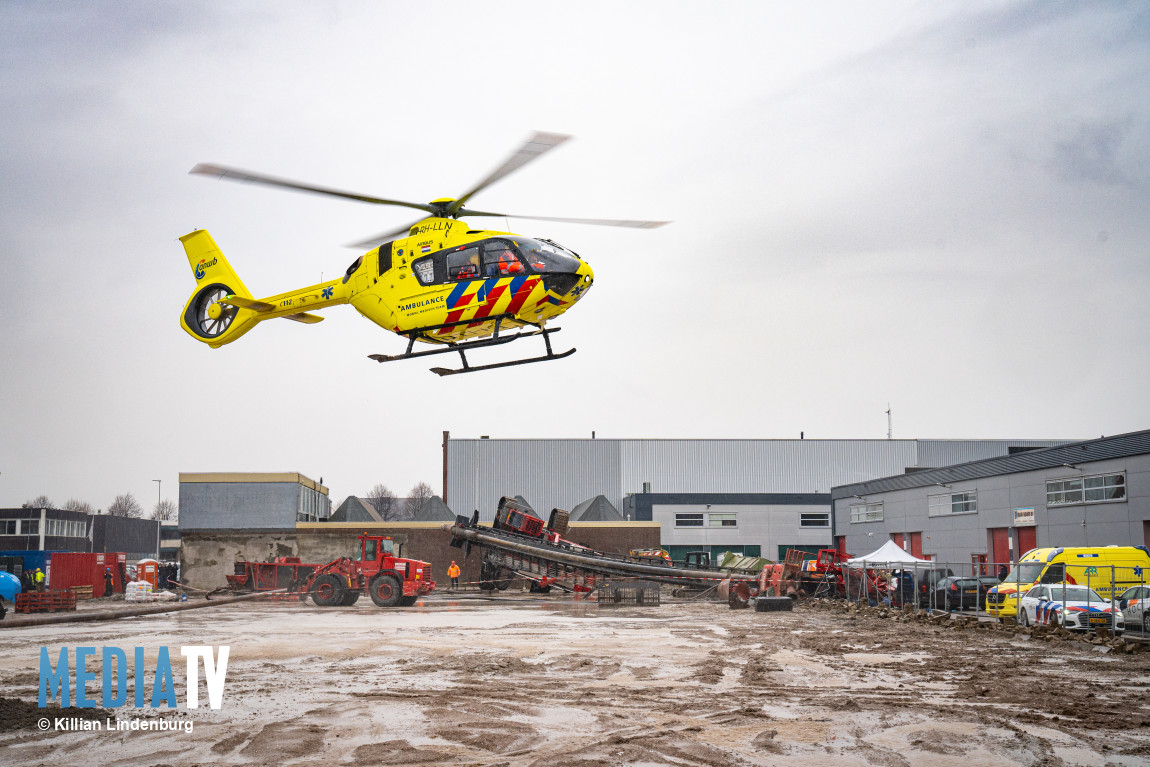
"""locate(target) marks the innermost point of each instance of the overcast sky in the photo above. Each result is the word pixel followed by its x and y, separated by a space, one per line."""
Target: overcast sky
pixel 940 205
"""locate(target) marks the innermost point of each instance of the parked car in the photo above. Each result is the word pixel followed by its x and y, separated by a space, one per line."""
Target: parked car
pixel 1134 603
pixel 956 592
pixel 985 584
pixel 926 582
pixel 1076 608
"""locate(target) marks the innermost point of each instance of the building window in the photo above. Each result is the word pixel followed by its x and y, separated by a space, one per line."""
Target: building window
pixel 722 520
pixel 815 519
pixel 688 520
pixel 7 527
pixel 1095 489
pixel 29 527
pixel 64 528
pixel 866 512
pixel 945 504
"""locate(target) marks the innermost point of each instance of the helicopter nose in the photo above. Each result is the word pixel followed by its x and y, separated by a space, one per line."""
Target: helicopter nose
pixel 586 276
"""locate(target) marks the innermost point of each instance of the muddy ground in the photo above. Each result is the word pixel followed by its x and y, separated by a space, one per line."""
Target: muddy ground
pixel 530 680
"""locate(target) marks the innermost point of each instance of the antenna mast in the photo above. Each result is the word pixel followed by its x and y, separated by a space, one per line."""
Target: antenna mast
pixel 889 430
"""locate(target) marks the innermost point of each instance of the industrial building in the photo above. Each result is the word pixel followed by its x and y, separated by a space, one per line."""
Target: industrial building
pixel 30 538
pixel 26 529
pixel 250 501
pixel 1092 493
pixel 169 541
pixel 751 496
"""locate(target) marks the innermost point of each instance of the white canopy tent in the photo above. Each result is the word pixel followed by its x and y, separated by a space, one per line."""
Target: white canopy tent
pixel 889 556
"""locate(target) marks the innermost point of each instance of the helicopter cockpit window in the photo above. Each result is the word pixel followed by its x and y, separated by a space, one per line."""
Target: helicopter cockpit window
pixel 425 270
pixel 463 264
pixel 500 260
pixel 547 256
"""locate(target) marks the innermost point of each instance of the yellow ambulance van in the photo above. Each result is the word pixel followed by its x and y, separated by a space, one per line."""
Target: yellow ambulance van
pixel 1109 570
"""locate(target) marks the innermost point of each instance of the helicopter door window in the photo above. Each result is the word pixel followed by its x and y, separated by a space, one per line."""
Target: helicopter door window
pixel 463 264
pixel 425 270
pixel 500 260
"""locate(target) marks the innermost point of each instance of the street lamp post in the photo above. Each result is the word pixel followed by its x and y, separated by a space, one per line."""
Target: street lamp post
pixel 159 485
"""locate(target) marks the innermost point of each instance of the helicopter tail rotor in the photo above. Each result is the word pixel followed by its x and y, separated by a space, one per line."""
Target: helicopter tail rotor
pixel 206 318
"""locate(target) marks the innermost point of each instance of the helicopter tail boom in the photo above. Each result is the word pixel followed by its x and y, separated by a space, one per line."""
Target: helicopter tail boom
pixel 221 309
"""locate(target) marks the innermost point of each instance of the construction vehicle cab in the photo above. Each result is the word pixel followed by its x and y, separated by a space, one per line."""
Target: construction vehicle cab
pixel 700 559
pixel 372 549
pixel 513 517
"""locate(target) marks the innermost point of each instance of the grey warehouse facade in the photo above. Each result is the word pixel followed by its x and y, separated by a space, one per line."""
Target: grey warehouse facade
pixel 1091 493
pixel 250 501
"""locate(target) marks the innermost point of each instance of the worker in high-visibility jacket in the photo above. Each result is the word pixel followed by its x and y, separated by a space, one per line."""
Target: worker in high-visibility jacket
pixel 453 574
pixel 39 579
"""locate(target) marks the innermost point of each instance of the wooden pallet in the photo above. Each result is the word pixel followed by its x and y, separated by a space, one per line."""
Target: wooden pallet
pixel 45 601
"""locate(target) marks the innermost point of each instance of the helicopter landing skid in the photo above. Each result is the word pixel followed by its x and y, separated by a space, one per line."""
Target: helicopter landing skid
pixel 462 347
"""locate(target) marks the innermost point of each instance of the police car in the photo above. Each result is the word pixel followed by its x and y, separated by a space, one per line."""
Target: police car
pixel 1135 604
pixel 1072 607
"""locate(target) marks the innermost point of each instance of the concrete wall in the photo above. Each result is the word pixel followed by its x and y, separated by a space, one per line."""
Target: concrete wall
pixel 208 557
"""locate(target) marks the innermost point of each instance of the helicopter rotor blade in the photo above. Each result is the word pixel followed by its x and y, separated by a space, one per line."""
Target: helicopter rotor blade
pixel 593 221
pixel 536 145
pixel 234 174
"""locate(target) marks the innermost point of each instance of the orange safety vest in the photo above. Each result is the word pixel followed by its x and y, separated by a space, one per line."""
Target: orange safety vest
pixel 453 571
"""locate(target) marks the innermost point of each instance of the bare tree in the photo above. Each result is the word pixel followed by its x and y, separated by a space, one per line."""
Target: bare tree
pixel 383 501
pixel 416 497
pixel 39 502
pixel 126 505
pixel 165 511
pixel 77 505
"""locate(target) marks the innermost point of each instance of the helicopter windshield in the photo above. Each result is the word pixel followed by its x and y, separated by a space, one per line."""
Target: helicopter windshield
pixel 547 256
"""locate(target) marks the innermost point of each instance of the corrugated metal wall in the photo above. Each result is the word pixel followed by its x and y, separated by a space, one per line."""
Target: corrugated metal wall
pixel 562 473
pixel 933 453
pixel 548 473
pixel 237 505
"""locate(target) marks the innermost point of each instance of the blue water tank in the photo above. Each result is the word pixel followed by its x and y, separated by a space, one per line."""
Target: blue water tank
pixel 9 587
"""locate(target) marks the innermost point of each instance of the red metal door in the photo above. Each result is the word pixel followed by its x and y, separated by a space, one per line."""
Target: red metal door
pixel 1027 539
pixel 978 564
pixel 999 545
pixel 897 538
pixel 916 545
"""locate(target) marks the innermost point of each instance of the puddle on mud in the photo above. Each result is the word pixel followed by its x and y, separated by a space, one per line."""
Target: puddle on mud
pixel 875 658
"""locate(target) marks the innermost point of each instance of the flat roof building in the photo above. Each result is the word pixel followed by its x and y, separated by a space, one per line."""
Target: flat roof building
pixel 250 501
pixel 1090 493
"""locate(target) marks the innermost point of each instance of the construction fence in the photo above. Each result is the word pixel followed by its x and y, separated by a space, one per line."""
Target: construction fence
pixel 1055 590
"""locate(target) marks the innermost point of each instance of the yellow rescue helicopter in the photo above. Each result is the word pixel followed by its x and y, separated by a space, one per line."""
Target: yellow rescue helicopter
pixel 443 282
